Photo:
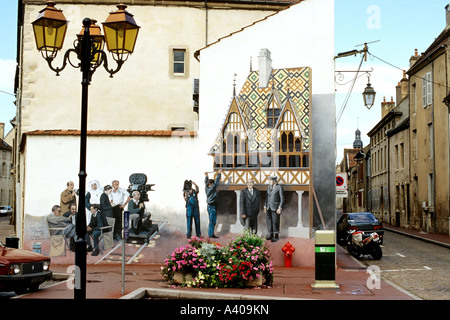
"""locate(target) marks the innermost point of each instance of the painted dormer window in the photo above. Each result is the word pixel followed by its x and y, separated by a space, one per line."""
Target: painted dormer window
pixel 273 111
pixel 234 144
pixel 288 143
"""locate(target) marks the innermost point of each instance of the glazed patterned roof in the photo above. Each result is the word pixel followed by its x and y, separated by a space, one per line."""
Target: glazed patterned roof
pixel 252 102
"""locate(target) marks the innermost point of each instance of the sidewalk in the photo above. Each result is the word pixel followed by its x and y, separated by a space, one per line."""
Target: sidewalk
pixel 144 281
pixel 439 239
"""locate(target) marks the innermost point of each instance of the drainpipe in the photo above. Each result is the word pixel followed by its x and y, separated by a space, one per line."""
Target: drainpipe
pixel 206 22
pixel 448 126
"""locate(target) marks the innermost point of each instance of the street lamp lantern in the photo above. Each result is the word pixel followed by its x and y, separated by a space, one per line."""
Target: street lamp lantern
pixel 98 41
pixel 49 30
pixel 369 95
pixel 121 32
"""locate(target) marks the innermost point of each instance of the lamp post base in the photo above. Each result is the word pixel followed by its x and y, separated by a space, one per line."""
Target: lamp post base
pixel 80 270
pixel 325 284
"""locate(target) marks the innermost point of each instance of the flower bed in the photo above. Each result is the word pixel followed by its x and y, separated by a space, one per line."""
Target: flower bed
pixel 211 265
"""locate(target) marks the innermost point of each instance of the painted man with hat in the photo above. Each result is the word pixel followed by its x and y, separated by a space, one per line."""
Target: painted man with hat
pixel 272 207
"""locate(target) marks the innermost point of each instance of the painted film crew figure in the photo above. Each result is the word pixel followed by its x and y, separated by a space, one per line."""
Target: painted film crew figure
pixel 273 205
pixel 211 200
pixel 119 200
pixel 68 197
pixel 190 194
pixel 250 199
pixel 139 219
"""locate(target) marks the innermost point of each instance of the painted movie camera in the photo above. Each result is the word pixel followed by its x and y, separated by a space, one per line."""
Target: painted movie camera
pixel 138 181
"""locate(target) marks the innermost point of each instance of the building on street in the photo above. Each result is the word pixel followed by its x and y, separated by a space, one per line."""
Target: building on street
pixel 429 132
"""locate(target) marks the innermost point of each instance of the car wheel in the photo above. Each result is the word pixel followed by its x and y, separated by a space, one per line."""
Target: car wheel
pixel 21 290
pixel 34 287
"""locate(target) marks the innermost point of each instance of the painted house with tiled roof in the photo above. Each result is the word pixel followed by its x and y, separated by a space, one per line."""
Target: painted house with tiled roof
pixel 265 133
pixel 267 128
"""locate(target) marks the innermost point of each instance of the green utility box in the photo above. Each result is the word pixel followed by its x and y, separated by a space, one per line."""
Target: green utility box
pixel 325 260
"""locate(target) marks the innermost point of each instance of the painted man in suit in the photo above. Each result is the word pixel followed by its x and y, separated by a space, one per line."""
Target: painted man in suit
pixel 98 220
pixel 249 199
pixel 273 205
pixel 136 209
pixel 139 219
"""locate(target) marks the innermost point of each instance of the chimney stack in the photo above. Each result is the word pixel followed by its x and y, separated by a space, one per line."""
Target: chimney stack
pixel 401 89
pixel 2 130
pixel 447 15
pixel 414 58
pixel 265 67
pixel 387 106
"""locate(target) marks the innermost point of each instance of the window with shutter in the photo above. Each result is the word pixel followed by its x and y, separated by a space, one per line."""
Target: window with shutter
pixel 424 91
pixel 429 88
pixel 195 93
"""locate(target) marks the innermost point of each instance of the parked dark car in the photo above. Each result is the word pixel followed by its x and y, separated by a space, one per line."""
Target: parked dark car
pixel 22 270
pixel 5 210
pixel 362 221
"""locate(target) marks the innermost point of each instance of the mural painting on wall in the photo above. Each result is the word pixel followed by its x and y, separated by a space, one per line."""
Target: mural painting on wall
pixel 266 133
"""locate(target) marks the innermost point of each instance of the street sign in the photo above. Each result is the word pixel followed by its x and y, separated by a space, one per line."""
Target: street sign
pixel 341 185
pixel 126 224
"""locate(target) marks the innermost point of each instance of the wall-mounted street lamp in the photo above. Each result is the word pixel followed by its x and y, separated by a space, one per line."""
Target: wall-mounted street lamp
pixel 121 32
pixel 369 95
pixel 369 92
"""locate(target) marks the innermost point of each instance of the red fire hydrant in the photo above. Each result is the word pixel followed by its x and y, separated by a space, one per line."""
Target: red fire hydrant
pixel 288 249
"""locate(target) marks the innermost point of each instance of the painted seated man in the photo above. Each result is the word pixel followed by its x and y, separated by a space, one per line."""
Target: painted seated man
pixel 139 219
pixel 98 220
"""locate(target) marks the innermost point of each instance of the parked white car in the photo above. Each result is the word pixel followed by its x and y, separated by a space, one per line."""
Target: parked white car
pixel 5 210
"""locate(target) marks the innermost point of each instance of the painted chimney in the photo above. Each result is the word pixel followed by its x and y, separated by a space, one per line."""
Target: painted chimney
pixel 265 67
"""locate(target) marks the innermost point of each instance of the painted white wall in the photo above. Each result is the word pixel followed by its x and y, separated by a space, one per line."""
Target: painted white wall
pixel 167 162
pixel 300 36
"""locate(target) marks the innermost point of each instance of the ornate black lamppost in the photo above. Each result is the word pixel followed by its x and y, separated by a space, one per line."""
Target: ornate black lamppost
pixel 121 33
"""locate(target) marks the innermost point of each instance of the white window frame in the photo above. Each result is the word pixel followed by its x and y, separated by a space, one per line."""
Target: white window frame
pixel 427 89
pixel 172 73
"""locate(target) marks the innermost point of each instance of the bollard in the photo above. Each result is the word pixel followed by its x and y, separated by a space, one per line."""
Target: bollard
pixel 325 256
pixel 288 249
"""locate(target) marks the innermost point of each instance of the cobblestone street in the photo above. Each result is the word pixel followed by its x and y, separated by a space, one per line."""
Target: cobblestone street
pixel 417 266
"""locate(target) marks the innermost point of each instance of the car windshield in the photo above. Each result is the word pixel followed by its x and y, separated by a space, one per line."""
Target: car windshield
pixel 361 217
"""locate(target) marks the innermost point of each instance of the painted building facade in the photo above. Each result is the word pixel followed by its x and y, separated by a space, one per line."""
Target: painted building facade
pixel 266 133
